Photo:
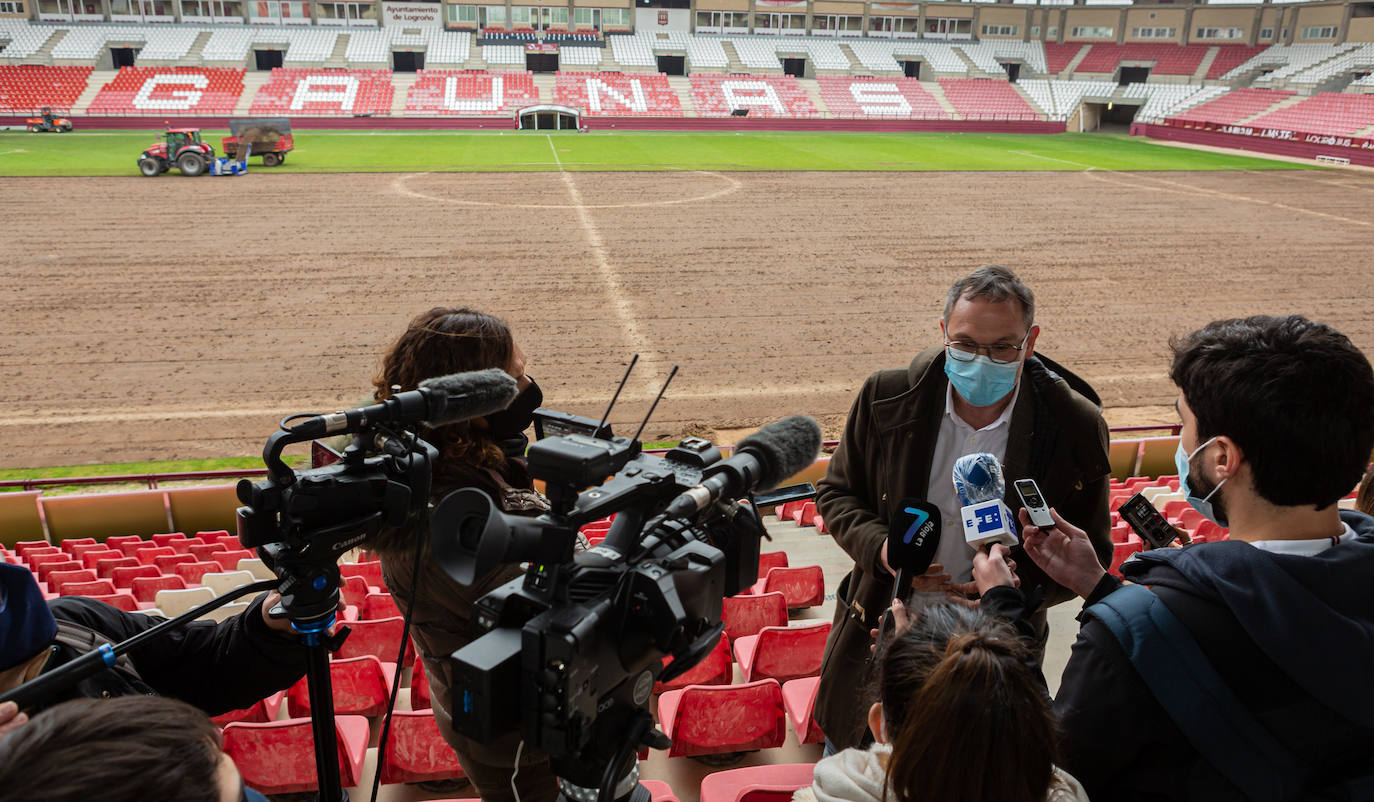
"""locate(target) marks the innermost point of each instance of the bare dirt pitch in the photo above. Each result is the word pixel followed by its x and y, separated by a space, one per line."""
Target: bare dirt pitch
pixel 176 318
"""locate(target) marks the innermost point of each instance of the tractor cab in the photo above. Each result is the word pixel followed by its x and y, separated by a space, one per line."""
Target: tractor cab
pixel 182 149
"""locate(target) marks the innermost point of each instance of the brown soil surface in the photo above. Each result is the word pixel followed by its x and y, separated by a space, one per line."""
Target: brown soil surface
pixel 178 318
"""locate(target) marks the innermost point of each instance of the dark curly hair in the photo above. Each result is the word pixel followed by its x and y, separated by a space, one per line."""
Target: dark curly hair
pixel 441 341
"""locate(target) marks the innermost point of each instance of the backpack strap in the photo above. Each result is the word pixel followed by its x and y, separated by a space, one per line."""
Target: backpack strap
pixel 83 639
pixel 1188 687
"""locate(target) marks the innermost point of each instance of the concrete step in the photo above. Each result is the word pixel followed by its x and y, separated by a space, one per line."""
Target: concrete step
pixel 252 82
pixel 401 82
pixel 1044 113
pixel 1282 104
pixel 1075 61
pixel 856 67
pixel 732 62
pixel 43 55
pixel 94 84
pixel 544 84
pixel 813 91
pixel 974 71
pixel 938 92
pixel 1207 59
pixel 193 56
pixel 336 58
pixel 1367 133
pixel 682 85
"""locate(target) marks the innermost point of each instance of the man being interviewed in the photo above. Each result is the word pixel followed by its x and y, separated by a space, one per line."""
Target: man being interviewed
pixel 985 390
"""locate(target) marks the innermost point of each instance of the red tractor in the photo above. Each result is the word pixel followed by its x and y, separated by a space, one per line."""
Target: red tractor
pixel 182 149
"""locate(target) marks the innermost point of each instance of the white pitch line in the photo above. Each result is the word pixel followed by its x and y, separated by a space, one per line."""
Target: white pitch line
pixel 1052 159
pixel 615 288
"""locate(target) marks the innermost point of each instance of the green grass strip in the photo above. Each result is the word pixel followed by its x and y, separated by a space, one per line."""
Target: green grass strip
pixel 115 153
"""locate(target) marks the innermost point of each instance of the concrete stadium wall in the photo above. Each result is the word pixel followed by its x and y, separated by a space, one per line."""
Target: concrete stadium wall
pixel 1283 143
pixel 594 123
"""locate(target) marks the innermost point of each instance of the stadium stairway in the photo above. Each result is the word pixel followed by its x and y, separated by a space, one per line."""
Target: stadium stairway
pixel 974 71
pixel 1044 114
pixel 339 57
pixel 44 54
pixel 1075 61
pixel 196 54
pixel 545 84
pixel 732 60
pixel 1205 65
pixel 252 82
pixel 856 67
pixel 1366 133
pixel 1291 100
pixel 94 84
pixel 813 91
pixel 938 92
pixel 682 85
pixel 401 82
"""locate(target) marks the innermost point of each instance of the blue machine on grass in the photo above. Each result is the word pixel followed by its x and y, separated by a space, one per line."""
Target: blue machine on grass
pixel 229 166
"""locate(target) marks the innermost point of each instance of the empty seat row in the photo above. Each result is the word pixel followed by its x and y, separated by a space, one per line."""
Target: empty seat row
pixel 26 88
pixel 985 99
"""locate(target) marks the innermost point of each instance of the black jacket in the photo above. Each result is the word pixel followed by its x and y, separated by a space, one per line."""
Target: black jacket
pixel 1292 636
pixel 218 667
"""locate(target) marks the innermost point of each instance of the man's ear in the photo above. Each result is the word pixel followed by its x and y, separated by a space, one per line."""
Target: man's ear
pixel 1030 341
pixel 875 723
pixel 1228 457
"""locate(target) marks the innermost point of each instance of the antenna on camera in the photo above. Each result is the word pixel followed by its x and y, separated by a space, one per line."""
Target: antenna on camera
pixel 654 405
pixel 611 406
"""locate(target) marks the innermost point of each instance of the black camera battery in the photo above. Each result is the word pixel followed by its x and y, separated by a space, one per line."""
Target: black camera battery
pixel 486 685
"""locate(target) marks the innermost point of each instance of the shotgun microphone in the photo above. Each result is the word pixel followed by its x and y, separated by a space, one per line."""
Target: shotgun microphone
pixel 440 400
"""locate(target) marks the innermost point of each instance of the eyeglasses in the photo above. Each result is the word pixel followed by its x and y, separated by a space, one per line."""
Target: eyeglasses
pixel 1001 353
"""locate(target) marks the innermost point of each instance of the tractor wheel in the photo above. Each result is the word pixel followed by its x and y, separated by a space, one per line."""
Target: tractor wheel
pixel 64 129
pixel 271 159
pixel 281 158
pixel 191 164
pixel 149 167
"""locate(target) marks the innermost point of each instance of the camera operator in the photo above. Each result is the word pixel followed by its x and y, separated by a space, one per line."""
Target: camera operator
pixel 1261 642
pixel 217 667
pixel 485 453
pixel 121 750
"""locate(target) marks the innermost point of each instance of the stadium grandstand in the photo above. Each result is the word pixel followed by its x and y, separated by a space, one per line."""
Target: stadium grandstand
pixel 1281 72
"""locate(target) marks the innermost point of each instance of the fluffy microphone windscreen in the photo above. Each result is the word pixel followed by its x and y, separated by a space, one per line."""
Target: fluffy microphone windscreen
pixel 783 448
pixel 471 394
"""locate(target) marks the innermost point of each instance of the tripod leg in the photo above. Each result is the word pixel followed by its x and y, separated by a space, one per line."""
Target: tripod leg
pixel 322 720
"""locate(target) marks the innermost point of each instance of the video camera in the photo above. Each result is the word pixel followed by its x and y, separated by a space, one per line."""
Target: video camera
pixel 582 637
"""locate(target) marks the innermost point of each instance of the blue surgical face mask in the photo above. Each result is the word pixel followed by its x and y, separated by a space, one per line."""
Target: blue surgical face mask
pixel 1203 505
pixel 981 381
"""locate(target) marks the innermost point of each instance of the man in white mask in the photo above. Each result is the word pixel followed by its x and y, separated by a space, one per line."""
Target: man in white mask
pixel 984 388
pixel 1276 623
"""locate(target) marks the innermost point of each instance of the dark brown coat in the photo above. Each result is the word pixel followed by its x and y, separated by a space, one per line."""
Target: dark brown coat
pixel 1057 437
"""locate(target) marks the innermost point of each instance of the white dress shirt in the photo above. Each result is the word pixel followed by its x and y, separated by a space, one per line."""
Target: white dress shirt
pixel 957 438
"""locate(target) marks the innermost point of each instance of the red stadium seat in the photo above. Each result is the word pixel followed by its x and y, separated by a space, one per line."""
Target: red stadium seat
pixel 783 653
pixel 98 587
pixel 801 587
pixel 747 614
pixel 26 547
pixel 207 551
pixel 166 563
pixel 57 579
pixel 799 699
pixel 371 573
pixel 191 572
pixel 124 575
pixel 145 588
pixel 771 559
pixel 354 590
pixel 417 752
pixel 80 545
pixel 362 686
pixel 773 783
pixel 229 560
pixel 260 711
pixel 377 606
pixel 166 538
pixel 804 515
pixel 419 687
pixel 1122 552
pixel 46 568
pixel 278 757
pixel 714 669
pixel 120 541
pixel 377 638
pixel 105 568
pixel 692 717
pixel 90 559
pixel 122 601
pixel 149 552
pixel 184 546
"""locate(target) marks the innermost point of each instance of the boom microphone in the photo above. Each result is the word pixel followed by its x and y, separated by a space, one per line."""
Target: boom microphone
pixel 912 538
pixel 986 518
pixel 443 399
pixel 761 461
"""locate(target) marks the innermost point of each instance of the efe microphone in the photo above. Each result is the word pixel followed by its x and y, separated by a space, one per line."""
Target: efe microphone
pixel 443 399
pixel 986 517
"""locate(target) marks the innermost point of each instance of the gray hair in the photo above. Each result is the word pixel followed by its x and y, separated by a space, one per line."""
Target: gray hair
pixel 995 283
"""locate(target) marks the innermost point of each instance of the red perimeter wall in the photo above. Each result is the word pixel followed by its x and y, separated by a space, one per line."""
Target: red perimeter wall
pixel 156 123
pixel 1265 140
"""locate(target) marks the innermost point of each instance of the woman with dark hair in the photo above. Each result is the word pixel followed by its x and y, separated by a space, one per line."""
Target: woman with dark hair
pixel 962 716
pixel 1364 500
pixel 487 454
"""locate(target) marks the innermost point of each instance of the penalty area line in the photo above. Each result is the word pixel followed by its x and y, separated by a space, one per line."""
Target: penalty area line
pixel 1086 167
